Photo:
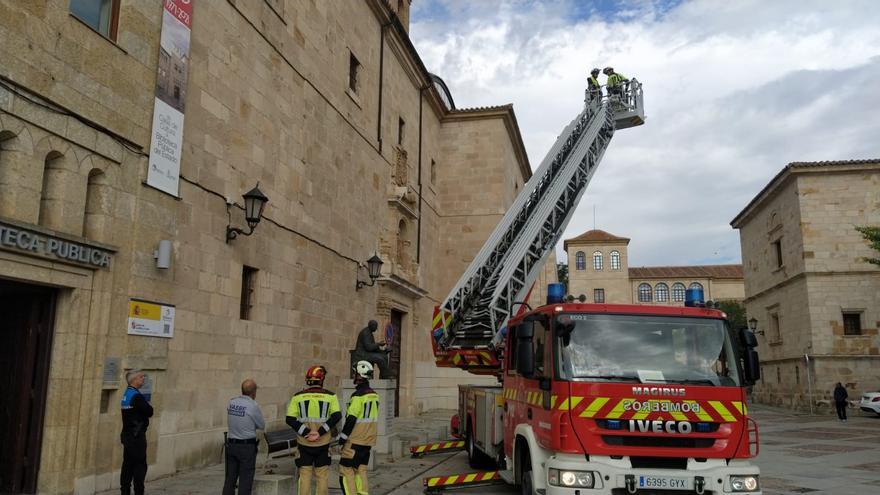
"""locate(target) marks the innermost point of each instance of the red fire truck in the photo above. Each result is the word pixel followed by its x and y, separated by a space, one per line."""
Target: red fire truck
pixel 592 398
pixel 603 398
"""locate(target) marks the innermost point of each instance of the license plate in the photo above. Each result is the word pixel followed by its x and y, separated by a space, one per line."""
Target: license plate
pixel 665 482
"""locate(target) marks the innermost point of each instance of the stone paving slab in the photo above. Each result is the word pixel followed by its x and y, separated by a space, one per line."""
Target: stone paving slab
pixel 799 454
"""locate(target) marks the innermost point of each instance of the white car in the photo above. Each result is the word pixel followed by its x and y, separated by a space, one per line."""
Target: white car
pixel 870 402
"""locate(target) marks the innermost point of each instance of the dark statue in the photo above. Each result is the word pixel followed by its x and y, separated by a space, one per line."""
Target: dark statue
pixel 367 349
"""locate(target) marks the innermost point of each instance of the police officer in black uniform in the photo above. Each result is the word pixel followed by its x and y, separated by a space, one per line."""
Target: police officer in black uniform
pixel 136 414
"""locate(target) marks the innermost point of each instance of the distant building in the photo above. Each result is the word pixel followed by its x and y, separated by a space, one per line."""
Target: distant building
pixel 598 268
pixel 807 284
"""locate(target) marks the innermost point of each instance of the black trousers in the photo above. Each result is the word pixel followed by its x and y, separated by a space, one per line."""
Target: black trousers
pixel 841 408
pixel 241 460
pixel 134 463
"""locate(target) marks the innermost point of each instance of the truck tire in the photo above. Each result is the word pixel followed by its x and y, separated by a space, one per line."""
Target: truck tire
pixel 477 459
pixel 528 483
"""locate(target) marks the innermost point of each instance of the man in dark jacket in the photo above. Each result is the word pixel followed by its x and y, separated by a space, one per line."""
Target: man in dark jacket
pixel 840 396
pixel 136 414
pixel 367 349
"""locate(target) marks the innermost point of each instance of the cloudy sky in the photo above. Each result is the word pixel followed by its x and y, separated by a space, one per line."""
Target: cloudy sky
pixel 733 90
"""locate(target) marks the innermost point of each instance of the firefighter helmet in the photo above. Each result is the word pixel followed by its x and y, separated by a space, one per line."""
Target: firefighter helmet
pixel 608 70
pixel 315 375
pixel 594 71
pixel 363 369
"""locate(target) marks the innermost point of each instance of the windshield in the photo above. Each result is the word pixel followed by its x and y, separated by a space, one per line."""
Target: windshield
pixel 646 349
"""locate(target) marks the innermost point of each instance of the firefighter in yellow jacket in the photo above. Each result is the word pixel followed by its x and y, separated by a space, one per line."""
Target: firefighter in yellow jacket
pixel 313 412
pixel 359 433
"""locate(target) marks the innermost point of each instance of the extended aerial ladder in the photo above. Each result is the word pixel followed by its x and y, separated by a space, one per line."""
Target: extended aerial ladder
pixel 470 323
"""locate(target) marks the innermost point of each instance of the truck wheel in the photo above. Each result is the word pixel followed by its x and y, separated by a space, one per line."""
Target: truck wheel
pixel 476 458
pixel 528 484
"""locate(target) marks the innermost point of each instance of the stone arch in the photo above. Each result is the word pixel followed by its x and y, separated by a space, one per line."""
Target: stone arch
pixel 98 206
pixel 62 197
pixel 20 172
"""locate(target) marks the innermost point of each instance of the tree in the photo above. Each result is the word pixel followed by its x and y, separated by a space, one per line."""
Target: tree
pixel 562 275
pixel 736 313
pixel 872 235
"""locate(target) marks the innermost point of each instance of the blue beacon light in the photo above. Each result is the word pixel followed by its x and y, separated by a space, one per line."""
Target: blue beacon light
pixel 555 293
pixel 693 298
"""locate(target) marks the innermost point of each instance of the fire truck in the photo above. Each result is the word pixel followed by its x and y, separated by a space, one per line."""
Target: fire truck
pixel 592 398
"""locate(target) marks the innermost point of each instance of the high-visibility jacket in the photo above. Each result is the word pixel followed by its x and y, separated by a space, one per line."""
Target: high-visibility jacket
pixel 616 79
pixel 362 416
pixel 592 84
pixel 313 409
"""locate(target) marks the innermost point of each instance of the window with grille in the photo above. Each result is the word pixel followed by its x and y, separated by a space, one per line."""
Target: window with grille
pixel 644 293
pixel 597 260
pixel 661 292
pixel 599 296
pixel 354 69
pixel 580 261
pixel 852 323
pixel 248 284
pixel 678 292
pixel 615 260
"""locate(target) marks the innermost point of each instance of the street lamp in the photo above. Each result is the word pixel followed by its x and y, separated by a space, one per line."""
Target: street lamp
pixel 753 325
pixel 254 202
pixel 374 268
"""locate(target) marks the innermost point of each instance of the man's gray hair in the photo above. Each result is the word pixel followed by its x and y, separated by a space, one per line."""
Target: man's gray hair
pixel 130 374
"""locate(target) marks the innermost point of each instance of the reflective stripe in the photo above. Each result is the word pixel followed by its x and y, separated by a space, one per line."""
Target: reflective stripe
pixel 313 420
pixel 740 407
pixel 722 411
pixel 594 407
pixel 618 409
pixel 367 420
pixel 570 403
pixel 703 414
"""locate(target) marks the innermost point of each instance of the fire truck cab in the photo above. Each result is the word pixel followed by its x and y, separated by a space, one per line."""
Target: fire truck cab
pixel 614 399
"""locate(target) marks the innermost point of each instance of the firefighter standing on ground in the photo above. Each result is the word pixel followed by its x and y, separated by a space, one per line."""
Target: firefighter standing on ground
pixel 313 412
pixel 359 433
pixel 615 82
pixel 594 90
pixel 136 414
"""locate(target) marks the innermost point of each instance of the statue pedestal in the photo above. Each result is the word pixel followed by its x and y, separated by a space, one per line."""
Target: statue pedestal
pixel 385 389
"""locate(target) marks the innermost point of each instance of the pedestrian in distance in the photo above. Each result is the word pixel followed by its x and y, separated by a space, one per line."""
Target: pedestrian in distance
pixel 358 434
pixel 313 412
pixel 136 414
pixel 243 418
pixel 594 89
pixel 616 83
pixel 840 397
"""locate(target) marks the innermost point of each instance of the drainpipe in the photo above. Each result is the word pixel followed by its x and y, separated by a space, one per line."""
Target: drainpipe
pixel 419 224
pixel 381 73
pixel 809 382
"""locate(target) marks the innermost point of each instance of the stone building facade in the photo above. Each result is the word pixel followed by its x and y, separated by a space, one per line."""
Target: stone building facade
pixel 816 300
pixel 329 108
pixel 598 268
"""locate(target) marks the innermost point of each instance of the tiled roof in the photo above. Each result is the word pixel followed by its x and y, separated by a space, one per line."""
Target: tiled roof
pixel 594 236
pixel 698 271
pixel 482 109
pixel 835 162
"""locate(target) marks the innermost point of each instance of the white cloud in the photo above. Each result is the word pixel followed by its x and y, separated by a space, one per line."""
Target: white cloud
pixel 733 91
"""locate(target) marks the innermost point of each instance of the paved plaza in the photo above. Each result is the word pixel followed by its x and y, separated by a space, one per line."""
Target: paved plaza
pixel 799 454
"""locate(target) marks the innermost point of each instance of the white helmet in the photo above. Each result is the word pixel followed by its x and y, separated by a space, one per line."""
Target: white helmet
pixel 363 369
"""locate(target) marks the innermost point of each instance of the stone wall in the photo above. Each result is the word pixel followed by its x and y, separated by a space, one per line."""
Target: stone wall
pixel 616 283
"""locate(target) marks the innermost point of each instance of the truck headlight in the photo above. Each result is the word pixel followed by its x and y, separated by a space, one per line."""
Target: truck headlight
pixel 573 479
pixel 744 483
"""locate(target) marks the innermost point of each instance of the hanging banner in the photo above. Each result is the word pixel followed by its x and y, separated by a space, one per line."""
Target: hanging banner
pixel 167 140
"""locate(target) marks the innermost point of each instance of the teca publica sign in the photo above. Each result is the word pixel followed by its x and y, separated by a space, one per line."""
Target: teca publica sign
pixel 29 241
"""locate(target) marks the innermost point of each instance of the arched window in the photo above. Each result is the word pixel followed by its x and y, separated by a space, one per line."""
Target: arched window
pixel 696 285
pixel 661 292
pixel 644 293
pixel 615 260
pixel 580 261
pixel 597 260
pixel 678 292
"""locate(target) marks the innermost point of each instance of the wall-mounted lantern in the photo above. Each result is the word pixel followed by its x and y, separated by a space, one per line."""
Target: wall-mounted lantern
pixel 254 202
pixel 374 267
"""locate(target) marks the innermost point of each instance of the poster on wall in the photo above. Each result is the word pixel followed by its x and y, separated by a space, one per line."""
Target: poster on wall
pixel 150 319
pixel 167 139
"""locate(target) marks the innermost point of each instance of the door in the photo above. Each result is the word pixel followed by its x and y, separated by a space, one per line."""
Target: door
pixel 394 357
pixel 25 345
